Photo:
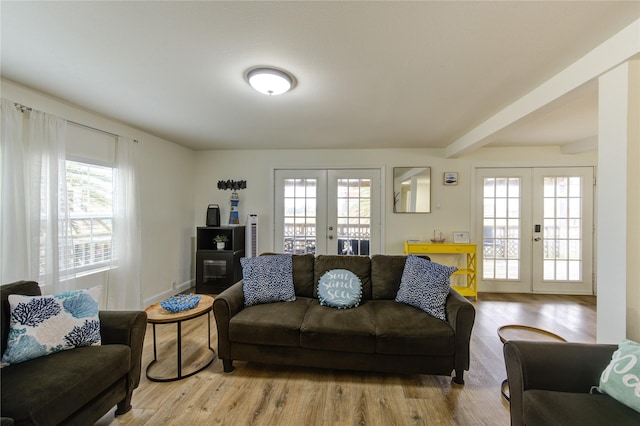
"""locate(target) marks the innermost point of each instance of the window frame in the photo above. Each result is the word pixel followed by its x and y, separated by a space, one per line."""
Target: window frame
pixel 91 268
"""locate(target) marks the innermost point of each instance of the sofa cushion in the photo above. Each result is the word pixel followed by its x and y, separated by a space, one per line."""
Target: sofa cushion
pixel 386 272
pixel 564 408
pixel 273 324
pixel 425 285
pixel 621 378
pixel 42 325
pixel 348 330
pixel 404 330
pixel 267 279
pixel 303 278
pixel 340 288
pixel 47 390
pixel 359 265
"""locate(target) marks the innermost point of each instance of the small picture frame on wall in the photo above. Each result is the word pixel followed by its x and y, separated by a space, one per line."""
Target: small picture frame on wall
pixel 450 178
pixel 461 237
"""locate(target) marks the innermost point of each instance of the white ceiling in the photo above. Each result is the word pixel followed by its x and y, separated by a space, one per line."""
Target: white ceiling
pixel 385 74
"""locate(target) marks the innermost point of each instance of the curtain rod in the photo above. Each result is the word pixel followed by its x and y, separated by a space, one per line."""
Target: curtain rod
pixel 23 108
pixel 84 126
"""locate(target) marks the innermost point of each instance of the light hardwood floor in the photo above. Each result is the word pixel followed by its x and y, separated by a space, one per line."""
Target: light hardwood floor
pixel 257 394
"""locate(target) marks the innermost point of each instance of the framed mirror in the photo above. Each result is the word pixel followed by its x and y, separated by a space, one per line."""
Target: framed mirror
pixel 412 189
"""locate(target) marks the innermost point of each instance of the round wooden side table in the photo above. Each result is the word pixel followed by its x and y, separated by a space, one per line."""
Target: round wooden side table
pixel 524 332
pixel 156 314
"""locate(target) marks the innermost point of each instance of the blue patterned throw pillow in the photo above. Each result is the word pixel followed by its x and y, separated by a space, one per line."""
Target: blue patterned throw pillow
pixel 267 279
pixel 42 325
pixel 425 285
pixel 339 288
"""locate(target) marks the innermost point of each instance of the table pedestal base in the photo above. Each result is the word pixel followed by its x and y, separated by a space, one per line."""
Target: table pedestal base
pixel 180 375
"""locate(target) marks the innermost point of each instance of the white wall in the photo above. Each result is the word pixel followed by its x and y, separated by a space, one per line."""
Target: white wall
pixel 633 203
pixel 619 141
pixel 166 191
pixel 451 205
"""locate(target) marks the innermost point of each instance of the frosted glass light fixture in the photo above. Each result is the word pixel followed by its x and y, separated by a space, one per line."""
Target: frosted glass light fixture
pixel 270 81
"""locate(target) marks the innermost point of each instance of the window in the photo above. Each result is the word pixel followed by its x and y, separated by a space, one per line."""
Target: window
pixel 90 198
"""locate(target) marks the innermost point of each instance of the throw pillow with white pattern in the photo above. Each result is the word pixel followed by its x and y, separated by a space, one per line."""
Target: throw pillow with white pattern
pixel 425 285
pixel 340 288
pixel 621 378
pixel 267 279
pixel 42 325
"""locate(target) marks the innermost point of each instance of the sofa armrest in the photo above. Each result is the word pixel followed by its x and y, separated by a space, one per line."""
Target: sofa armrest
pixel 460 315
pixel 555 366
pixel 225 306
pixel 126 328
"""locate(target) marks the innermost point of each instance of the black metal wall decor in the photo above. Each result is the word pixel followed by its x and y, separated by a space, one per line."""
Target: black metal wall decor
pixel 235 185
pixel 232 184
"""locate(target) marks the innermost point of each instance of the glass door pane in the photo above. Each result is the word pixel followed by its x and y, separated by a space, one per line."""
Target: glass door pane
pixel 327 211
pixel 501 228
pixel 537 229
pixel 563 247
pixel 353 216
pixel 300 215
pixel 299 211
pixel 353 212
pixel 504 206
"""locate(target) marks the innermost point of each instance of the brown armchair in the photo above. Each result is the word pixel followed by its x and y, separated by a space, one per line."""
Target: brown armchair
pixel 76 386
pixel 549 383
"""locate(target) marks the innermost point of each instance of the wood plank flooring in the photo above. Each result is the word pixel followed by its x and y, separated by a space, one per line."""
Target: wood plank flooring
pixel 257 394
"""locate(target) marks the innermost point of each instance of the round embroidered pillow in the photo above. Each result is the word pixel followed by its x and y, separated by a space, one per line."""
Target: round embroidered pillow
pixel 340 288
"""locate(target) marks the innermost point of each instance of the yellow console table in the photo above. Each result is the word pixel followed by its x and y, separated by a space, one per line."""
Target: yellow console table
pixel 425 247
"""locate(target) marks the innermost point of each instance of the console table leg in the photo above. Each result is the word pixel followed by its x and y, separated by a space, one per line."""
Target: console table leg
pixel 209 328
pixel 155 352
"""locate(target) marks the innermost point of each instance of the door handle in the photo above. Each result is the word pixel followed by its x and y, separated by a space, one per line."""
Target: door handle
pixel 537 239
pixel 331 237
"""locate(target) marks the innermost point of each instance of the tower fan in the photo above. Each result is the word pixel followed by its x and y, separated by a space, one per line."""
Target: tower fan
pixel 251 235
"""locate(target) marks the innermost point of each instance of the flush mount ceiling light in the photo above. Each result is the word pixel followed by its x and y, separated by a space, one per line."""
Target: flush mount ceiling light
pixel 270 81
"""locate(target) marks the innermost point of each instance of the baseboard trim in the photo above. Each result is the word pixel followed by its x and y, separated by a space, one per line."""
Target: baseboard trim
pixel 168 293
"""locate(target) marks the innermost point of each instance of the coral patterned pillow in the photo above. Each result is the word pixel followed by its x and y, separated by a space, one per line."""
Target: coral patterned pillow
pixel 42 325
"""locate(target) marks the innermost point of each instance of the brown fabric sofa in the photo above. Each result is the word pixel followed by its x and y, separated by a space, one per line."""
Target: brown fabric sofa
pixel 549 383
pixel 379 335
pixel 76 386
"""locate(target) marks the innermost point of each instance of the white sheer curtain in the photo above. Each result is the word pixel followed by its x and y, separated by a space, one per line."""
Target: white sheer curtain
pixel 34 216
pixel 51 236
pixel 123 286
pixel 35 228
pixel 14 241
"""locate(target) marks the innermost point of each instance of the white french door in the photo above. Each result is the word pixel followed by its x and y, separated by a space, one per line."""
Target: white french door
pixel 327 211
pixel 537 229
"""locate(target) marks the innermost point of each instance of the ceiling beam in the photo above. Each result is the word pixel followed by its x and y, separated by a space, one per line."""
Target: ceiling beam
pixel 580 146
pixel 616 50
